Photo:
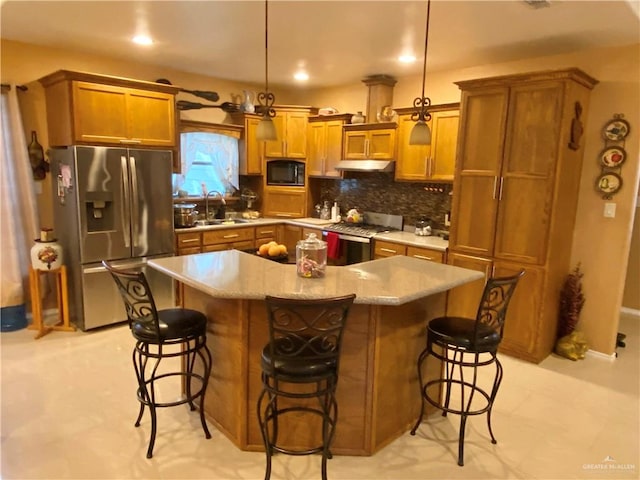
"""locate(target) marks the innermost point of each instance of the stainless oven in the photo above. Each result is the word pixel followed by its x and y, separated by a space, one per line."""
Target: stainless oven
pixel 356 239
pixel 285 172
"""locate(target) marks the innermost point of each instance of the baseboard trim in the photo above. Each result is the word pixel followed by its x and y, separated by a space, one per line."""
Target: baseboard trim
pixel 630 311
pixel 602 356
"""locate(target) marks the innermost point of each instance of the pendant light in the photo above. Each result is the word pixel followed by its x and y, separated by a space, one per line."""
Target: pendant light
pixel 266 129
pixel 420 133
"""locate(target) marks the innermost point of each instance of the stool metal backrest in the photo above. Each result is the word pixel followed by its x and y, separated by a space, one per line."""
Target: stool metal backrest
pixel 492 310
pixel 136 295
pixel 306 331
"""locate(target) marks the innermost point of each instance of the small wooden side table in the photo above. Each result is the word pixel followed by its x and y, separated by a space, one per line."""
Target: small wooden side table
pixel 62 299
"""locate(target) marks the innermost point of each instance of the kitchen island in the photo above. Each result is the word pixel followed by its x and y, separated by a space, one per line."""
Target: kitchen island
pixel 378 392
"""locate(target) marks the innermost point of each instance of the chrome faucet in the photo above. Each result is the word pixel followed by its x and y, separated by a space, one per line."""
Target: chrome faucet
pixel 206 202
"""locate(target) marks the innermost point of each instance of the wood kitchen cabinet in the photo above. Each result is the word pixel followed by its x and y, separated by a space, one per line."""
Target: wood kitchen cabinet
pixel 324 144
pixel 227 239
pixel 85 108
pixel 266 234
pixel 188 243
pixel 284 202
pixel 384 249
pixel 434 162
pixel 515 192
pixel 291 128
pixel 369 141
pixel 250 149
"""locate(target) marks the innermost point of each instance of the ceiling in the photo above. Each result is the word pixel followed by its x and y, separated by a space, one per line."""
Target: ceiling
pixel 337 42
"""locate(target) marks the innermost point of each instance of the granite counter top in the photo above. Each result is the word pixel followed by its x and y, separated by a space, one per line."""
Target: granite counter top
pixel 388 281
pixel 303 222
pixel 410 238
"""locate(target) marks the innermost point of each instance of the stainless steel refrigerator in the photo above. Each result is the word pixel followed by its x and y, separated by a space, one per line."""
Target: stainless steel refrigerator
pixel 111 204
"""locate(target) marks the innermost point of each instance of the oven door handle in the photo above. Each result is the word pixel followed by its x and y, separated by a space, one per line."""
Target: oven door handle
pixel 349 238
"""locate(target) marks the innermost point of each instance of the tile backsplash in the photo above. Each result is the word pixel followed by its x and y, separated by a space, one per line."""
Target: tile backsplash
pixel 378 192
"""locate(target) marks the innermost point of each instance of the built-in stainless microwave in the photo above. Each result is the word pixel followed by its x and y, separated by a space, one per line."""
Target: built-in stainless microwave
pixel 285 172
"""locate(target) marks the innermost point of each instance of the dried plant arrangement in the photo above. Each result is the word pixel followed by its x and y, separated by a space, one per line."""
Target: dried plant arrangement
pixel 571 344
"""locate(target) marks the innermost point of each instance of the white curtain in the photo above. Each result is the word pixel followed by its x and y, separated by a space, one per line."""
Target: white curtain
pixel 18 208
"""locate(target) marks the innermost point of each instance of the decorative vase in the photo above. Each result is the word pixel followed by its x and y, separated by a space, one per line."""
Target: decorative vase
pixel 46 255
pixel 357 118
pixel 247 105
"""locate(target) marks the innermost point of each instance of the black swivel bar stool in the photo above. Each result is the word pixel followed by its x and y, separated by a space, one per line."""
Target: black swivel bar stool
pixel 160 334
pixel 467 343
pixel 305 338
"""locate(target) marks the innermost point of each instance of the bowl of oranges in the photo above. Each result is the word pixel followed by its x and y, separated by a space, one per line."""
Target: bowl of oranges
pixel 273 251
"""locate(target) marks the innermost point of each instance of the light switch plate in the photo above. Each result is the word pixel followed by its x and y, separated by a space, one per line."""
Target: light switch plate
pixel 610 210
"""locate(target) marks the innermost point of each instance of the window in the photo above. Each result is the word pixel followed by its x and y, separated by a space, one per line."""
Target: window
pixel 209 162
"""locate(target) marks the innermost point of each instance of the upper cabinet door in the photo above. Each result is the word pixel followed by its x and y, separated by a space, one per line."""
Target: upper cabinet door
pixel 527 180
pixel 275 148
pixel 316 137
pixel 444 136
pixel 333 148
pixel 478 169
pixel 99 113
pixel 151 117
pixel 296 135
pixel 412 159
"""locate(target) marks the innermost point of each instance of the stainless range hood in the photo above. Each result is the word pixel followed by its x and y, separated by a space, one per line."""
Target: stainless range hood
pixel 365 165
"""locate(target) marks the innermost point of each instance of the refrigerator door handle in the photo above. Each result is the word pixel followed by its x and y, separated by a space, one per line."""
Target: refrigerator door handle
pixel 135 204
pixel 126 214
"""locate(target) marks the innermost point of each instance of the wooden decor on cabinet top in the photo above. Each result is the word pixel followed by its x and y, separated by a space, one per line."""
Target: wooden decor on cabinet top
pixel 515 196
pixel 86 108
pixel 435 162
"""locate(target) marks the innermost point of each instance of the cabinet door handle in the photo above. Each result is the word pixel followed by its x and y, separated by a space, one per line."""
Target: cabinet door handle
pixel 284 215
pixel 131 141
pixel 422 257
pixel 190 240
pixel 231 235
pixel 501 182
pixel 366 147
pixel 265 232
pixel 495 183
pixel 388 250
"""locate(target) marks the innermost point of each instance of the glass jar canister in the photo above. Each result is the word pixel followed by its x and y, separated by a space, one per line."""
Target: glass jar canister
pixel 311 257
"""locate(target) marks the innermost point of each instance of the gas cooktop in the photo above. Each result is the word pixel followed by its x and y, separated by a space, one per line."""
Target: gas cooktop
pixel 374 223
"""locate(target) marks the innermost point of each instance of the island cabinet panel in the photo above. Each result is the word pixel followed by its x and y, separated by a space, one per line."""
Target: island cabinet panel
pixel 434 162
pixel 324 151
pixel 284 202
pixel 377 393
pixel 516 190
pixel 93 109
pixel 369 141
pixel 291 129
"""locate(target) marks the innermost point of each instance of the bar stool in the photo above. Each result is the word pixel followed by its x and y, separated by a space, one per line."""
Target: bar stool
pixel 161 334
pixel 467 343
pixel 305 338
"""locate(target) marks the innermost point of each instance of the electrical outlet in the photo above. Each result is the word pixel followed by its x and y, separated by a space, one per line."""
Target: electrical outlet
pixel 610 210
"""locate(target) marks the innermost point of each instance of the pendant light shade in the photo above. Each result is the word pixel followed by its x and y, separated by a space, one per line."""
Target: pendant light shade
pixel 266 129
pixel 421 134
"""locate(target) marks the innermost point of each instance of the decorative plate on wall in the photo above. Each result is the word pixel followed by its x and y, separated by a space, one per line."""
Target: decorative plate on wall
pixel 613 157
pixel 609 183
pixel 616 130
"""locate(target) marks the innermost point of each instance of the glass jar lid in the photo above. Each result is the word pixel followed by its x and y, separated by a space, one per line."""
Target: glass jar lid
pixel 312 243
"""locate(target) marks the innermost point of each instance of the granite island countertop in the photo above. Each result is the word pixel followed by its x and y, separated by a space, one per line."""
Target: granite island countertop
pixel 388 281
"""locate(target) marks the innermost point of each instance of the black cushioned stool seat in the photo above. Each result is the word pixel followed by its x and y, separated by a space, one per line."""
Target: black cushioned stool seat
pixel 464 344
pixel 305 339
pixel 161 334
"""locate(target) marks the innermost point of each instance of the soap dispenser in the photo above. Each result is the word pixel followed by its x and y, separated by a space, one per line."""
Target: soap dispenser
pixel 335 212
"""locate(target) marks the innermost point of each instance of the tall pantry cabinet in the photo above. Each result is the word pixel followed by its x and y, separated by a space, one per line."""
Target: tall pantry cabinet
pixel 515 195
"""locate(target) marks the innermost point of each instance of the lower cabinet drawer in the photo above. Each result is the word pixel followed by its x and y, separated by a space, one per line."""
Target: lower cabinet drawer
pixel 268 232
pixel 189 251
pixel 187 240
pixel 227 235
pixel 426 254
pixel 388 249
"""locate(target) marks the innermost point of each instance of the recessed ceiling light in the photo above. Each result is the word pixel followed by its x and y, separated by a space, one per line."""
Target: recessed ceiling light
pixel 301 76
pixel 407 58
pixel 142 40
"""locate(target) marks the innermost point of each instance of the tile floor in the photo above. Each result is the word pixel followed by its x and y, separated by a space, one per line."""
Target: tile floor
pixel 68 407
